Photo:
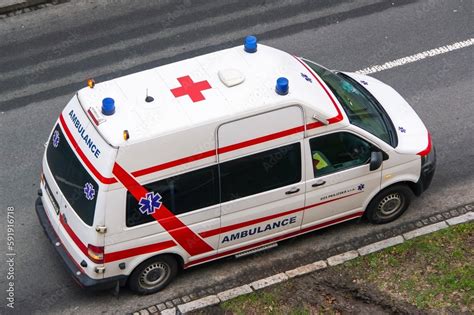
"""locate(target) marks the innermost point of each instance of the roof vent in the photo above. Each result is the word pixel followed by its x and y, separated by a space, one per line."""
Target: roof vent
pixel 231 77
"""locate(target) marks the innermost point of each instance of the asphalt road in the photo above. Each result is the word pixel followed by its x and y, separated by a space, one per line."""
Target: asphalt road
pixel 48 54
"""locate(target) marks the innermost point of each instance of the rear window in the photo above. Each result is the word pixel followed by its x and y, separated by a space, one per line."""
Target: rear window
pixel 77 186
pixel 180 194
pixel 261 172
pixel 239 178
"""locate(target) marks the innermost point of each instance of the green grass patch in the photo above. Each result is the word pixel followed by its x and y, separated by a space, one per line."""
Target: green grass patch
pixel 434 271
pixel 261 302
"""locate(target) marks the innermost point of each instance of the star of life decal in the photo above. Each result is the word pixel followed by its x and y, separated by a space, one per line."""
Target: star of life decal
pixel 89 191
pixel 56 138
pixel 305 76
pixel 150 203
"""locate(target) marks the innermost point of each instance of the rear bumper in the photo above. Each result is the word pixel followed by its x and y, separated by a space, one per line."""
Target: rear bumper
pixel 78 275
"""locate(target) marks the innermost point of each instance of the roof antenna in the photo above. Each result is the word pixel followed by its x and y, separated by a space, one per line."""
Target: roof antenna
pixel 148 98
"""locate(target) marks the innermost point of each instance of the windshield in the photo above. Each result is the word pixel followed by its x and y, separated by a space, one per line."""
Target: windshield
pixel 77 186
pixel 360 106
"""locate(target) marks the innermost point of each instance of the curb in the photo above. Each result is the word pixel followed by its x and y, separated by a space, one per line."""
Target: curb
pixel 374 247
pixel 26 5
pixel 425 230
pixel 302 270
pixel 265 282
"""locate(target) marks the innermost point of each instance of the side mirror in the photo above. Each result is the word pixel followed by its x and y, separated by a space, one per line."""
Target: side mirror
pixel 376 160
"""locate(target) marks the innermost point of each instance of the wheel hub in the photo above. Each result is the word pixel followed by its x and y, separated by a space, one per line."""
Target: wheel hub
pixel 390 204
pixel 154 275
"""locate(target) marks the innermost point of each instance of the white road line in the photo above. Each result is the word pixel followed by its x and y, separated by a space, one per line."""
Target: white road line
pixel 417 57
pixel 34 73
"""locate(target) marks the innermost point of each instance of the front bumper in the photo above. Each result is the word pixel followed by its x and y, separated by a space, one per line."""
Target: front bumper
pixel 427 172
pixel 78 275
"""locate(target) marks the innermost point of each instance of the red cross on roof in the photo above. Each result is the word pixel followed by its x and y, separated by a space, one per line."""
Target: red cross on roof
pixel 193 89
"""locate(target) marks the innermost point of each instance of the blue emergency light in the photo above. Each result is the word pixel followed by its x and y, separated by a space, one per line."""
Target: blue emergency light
pixel 108 106
pixel 282 86
pixel 250 44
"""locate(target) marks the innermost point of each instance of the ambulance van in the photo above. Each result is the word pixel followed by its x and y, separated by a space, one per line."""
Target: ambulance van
pixel 219 155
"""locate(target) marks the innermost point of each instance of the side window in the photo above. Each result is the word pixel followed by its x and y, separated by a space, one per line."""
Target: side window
pixel 260 172
pixel 338 151
pixel 181 193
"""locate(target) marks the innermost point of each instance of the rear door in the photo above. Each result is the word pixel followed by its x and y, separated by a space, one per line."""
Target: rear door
pixel 79 163
pixel 261 177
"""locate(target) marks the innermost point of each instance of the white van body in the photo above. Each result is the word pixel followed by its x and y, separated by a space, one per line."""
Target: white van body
pixel 215 120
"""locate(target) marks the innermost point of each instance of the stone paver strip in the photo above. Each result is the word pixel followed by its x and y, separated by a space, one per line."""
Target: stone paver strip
pixel 197 304
pixel 169 311
pixel 234 292
pixel 339 259
pixel 461 219
pixel 425 230
pixel 262 283
pixel 371 248
pixel 306 269
pixel 161 307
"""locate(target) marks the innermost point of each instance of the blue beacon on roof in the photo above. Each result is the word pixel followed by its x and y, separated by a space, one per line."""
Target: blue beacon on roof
pixel 108 106
pixel 282 86
pixel 250 44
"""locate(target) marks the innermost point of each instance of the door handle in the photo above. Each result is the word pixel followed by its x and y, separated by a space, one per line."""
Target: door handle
pixel 293 190
pixel 319 183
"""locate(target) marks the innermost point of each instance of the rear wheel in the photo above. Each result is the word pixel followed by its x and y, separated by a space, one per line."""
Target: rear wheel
pixel 389 204
pixel 153 274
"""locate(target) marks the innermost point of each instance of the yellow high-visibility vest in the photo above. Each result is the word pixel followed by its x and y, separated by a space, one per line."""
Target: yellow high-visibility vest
pixel 319 161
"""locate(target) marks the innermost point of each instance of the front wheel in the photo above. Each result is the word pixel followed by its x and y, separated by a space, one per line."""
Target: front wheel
pixel 153 274
pixel 389 204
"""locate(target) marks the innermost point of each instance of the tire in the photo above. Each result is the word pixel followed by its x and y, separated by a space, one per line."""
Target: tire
pixel 153 274
pixel 389 204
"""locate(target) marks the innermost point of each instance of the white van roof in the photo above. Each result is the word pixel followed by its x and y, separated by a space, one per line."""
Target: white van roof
pixel 219 86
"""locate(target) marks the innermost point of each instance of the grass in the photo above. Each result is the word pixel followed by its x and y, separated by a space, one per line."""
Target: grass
pixel 432 272
pixel 261 302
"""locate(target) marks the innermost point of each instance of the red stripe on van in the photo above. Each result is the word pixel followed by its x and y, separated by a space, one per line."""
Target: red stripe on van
pixel 263 219
pixel 247 223
pixel 275 239
pixel 65 249
pixel 73 235
pixel 211 153
pixel 181 161
pixel 113 256
pixel 174 163
pixel 100 177
pixel 122 254
pixel 258 140
pixel 182 234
